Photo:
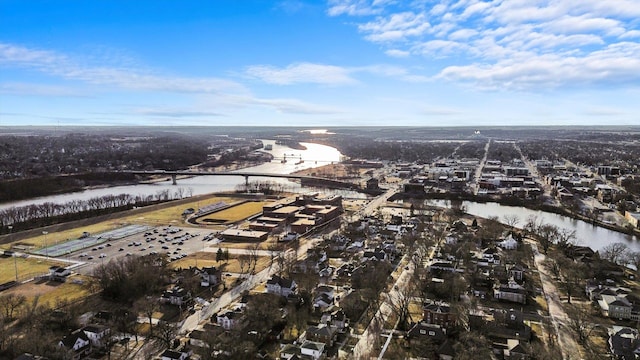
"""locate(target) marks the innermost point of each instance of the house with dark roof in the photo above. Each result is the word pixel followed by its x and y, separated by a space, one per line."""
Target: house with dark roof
pixel 175 355
pixel 511 292
pixel 229 319
pixel 77 343
pixel 323 333
pixel 421 331
pixel 439 313
pixel 281 286
pixel 624 343
pixel 175 296
pixel 210 276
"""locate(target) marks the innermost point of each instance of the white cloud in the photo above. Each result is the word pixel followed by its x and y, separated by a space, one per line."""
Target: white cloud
pixel 615 65
pixel 27 89
pixel 395 27
pixel 58 65
pixel 523 44
pixel 175 113
pixel 397 53
pixel 355 7
pixel 301 73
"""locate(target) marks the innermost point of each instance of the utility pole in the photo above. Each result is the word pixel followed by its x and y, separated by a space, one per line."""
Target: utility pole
pixel 46 250
pixel 15 261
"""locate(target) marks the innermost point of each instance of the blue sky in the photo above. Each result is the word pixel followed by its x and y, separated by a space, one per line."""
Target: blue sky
pixel 320 63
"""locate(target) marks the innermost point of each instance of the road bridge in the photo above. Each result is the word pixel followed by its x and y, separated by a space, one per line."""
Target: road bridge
pixel 309 180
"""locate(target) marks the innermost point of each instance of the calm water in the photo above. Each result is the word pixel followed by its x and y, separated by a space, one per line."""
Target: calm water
pixel 315 155
pixel 586 234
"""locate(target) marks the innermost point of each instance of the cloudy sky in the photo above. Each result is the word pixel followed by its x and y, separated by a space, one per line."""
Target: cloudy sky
pixel 320 63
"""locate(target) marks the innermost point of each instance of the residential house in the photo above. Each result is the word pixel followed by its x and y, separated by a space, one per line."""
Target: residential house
pixel 323 333
pixel 229 319
pixel 511 292
pixel 77 343
pixel 374 255
pixel 210 276
pixel 281 286
pixel 516 272
pixel 509 243
pixel 335 318
pixel 421 331
pixel 439 313
pixel 324 296
pixel 616 307
pixel 98 334
pixel 441 266
pixel 313 349
pixel 624 343
pixel 175 296
pixel 175 355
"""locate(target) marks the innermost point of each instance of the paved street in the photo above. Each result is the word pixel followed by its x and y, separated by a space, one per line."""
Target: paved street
pixel 559 318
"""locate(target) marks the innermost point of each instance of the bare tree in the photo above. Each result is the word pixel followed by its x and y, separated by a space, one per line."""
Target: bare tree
pixel 166 332
pixel 579 322
pixel 617 253
pixel 399 301
pixel 10 303
pixel 511 220
pixel 148 306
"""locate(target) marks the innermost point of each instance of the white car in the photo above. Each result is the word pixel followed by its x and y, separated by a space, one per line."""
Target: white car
pixel 102 256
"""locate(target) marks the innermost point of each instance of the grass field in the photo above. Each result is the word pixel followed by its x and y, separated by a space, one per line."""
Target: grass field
pixel 170 215
pixel 49 293
pixel 209 259
pixel 173 214
pixel 235 213
pixel 26 267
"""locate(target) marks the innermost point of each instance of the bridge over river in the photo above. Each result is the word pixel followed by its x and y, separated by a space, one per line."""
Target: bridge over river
pixel 304 179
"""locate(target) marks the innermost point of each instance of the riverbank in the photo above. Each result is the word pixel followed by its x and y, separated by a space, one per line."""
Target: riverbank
pixel 516 202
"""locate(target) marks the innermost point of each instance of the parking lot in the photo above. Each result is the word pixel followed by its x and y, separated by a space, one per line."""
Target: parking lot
pixel 176 242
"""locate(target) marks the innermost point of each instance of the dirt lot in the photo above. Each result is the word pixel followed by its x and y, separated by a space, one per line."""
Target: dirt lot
pixel 50 292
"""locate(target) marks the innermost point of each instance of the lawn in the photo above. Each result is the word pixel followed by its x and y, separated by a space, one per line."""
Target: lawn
pixel 49 293
pixel 27 268
pixel 173 214
pixel 234 213
pixel 165 216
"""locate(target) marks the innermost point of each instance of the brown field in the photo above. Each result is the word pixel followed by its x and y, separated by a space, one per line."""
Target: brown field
pixel 27 268
pixel 173 215
pixel 235 213
pixel 49 293
pixel 170 215
pixel 209 259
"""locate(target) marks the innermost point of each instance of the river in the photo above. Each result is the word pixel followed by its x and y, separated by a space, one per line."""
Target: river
pixel 587 234
pixel 315 155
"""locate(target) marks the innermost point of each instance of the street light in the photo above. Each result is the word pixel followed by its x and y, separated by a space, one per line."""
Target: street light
pixel 15 261
pixel 46 250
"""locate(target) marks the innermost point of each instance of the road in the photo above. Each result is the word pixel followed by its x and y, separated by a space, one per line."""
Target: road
pixel 567 344
pixel 194 320
pixel 478 173
pixel 365 347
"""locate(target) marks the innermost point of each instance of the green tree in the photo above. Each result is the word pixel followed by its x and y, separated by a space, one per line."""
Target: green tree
pixel 219 255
